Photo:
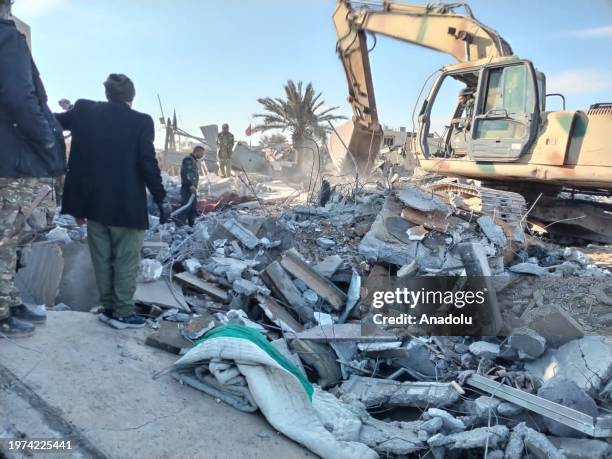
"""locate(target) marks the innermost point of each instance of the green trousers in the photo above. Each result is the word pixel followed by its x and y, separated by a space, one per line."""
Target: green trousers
pixel 115 254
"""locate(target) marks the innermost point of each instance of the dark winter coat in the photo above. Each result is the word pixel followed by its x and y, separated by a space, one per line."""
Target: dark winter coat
pixel 112 162
pixel 31 141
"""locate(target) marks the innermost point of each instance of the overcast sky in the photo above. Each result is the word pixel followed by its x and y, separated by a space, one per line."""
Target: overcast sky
pixel 210 60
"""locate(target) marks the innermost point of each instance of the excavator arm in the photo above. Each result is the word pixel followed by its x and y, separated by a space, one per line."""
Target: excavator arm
pixel 438 27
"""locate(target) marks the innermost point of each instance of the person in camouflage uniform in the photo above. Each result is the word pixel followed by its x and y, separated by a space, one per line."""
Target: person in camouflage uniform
pixel 190 176
pixel 225 141
pixel 32 149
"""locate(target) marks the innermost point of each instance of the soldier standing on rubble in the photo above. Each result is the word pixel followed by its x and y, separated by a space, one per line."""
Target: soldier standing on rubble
pixel 112 163
pixel 190 176
pixel 32 149
pixel 225 141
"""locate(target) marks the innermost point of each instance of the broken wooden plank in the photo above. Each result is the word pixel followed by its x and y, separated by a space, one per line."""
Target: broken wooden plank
pixel 202 286
pixel 278 314
pixel 430 220
pixel 281 284
pixel 293 263
pixel 341 332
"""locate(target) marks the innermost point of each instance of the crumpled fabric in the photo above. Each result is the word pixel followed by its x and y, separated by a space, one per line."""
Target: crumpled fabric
pixel 277 392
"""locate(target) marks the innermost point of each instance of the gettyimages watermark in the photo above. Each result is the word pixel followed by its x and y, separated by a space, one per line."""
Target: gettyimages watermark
pixel 460 306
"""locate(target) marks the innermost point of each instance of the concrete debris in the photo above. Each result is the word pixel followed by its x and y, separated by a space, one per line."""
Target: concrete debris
pixel 484 349
pixel 150 270
pixel 567 393
pixel 422 200
pixel 582 448
pixel 525 438
pixel 480 437
pixel 586 361
pixel 527 342
pixel 325 242
pixel 374 392
pixel 329 265
pixel 493 231
pixel 449 422
pixel 528 268
pixel 302 270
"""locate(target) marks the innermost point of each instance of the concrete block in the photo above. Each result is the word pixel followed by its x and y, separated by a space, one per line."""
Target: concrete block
pixel 485 349
pixel 567 393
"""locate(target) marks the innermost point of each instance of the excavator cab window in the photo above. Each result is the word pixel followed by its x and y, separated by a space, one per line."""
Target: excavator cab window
pixel 507 105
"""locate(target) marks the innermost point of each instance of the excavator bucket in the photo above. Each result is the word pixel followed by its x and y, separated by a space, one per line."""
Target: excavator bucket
pixel 353 148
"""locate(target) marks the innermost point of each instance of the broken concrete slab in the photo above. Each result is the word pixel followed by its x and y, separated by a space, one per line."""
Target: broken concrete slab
pixel 553 323
pixel 582 448
pixel 246 237
pixel 484 349
pixel 39 278
pixel 567 393
pixel 277 279
pixel 527 342
pixel 168 338
pixel 480 437
pixel 161 294
pixel 417 233
pixel 244 287
pixel 202 286
pixel 486 406
pixel 586 361
pixel 449 422
pixel 329 265
pixel 341 332
pixel 422 200
pixel 492 231
pixel 528 268
pixel 525 438
pixel 294 264
pixel 150 270
pixel 376 392
pixel 408 270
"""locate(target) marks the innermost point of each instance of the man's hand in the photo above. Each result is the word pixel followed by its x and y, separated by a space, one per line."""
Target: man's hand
pixel 165 209
pixel 193 189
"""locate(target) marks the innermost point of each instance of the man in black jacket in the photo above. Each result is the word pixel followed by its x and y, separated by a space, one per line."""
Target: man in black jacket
pixel 112 163
pixel 31 147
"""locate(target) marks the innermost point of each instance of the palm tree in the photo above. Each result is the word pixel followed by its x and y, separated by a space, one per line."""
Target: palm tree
pixel 301 113
pixel 271 140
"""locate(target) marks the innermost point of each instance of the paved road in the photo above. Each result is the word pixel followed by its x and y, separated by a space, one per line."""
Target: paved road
pixel 76 371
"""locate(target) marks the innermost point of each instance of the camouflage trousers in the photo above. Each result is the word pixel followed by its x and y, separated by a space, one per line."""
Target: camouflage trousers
pixel 225 165
pixel 18 197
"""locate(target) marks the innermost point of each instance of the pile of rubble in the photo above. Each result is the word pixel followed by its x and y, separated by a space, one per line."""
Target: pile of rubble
pixel 299 275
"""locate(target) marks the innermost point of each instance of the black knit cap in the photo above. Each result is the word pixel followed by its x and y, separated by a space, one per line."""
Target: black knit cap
pixel 119 88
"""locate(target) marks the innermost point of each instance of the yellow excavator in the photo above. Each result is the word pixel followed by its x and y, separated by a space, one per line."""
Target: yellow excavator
pixel 499 132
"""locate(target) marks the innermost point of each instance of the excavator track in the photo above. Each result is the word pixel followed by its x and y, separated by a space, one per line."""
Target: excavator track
pixel 505 205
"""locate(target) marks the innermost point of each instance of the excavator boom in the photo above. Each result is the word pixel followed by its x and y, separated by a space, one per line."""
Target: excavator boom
pixel 438 27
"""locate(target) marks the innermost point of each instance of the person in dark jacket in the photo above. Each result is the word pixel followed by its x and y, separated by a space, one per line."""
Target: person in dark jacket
pixel 31 150
pixel 190 177
pixel 112 163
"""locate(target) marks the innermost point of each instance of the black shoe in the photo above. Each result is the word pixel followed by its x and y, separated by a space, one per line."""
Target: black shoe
pixel 14 328
pixel 131 321
pixel 22 312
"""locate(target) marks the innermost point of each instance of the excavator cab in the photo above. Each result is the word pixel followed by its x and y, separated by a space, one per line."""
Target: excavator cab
pixel 497 114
